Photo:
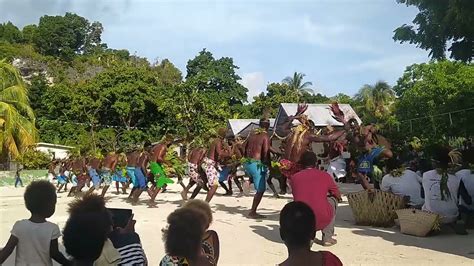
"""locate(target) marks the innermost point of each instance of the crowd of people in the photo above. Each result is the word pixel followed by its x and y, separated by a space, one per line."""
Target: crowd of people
pixel 91 237
pixel 445 188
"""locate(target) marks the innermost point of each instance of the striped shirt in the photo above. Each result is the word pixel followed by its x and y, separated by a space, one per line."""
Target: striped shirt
pixel 130 248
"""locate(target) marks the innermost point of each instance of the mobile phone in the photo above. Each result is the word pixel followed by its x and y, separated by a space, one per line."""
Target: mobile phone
pixel 120 217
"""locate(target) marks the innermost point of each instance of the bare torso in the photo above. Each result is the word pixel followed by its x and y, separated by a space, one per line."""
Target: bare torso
pixel 110 161
pixel 143 161
pixel 258 147
pixel 158 153
pixel 78 165
pixel 132 158
pixel 215 150
pixel 195 156
pixel 94 163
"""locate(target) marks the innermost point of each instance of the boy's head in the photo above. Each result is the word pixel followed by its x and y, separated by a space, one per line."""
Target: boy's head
pixel 201 206
pixel 297 225
pixel 184 233
pixel 87 228
pixel 40 198
pixel 308 159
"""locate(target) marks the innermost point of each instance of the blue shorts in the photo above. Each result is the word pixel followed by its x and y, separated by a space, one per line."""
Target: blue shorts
pixel 131 175
pixel 118 177
pixel 366 161
pixel 258 172
pixel 62 179
pixel 224 174
pixel 141 179
pixel 95 177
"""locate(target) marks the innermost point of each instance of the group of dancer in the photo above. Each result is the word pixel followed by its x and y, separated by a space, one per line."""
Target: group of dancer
pixel 222 160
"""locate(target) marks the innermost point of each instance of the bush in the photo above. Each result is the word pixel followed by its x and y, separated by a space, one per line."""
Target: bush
pixel 33 159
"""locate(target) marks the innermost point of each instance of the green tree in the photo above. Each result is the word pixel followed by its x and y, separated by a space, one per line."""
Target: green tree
pixel 427 91
pixel 342 98
pixel 297 86
pixel 29 32
pixel 375 102
pixel 439 25
pixel 209 75
pixel 64 36
pixel 17 119
pixel 10 33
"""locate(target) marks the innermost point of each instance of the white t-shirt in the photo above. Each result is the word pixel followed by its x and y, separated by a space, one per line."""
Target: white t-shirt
pixel 34 240
pixel 447 208
pixel 468 179
pixel 408 184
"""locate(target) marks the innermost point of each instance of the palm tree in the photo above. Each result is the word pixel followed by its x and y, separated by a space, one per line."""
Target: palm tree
pixel 376 100
pixel 297 86
pixel 17 120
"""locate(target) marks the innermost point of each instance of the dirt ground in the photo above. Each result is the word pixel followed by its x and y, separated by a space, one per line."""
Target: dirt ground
pixel 257 242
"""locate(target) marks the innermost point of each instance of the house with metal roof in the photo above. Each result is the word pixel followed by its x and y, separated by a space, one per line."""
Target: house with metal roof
pixel 320 114
pixel 243 127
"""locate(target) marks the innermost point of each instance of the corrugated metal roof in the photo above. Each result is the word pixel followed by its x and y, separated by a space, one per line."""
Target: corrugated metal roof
pixel 243 126
pixel 320 114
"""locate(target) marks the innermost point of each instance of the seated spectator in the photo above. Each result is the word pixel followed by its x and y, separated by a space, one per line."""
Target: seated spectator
pixel 210 241
pixel 183 238
pixel 297 230
pixel 441 190
pixel 317 189
pixel 403 182
pixel 35 239
pixel 466 174
pixel 86 233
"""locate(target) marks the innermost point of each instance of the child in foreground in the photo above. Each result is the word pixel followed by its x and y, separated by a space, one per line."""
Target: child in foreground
pixel 35 239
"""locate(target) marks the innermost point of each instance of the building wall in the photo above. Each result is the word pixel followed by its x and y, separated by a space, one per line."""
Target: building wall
pixel 58 152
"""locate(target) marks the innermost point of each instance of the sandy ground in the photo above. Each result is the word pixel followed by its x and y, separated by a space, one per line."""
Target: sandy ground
pixel 257 242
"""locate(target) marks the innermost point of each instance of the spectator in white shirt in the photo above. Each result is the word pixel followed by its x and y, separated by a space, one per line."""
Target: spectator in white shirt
pixel 402 182
pixel 441 190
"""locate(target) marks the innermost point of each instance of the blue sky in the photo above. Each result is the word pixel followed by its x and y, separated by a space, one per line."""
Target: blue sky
pixel 339 44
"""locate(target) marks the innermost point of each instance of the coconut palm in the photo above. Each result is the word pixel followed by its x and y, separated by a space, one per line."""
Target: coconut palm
pixel 296 84
pixel 376 99
pixel 17 120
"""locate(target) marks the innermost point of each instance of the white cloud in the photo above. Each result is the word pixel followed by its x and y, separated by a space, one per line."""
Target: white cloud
pixel 254 82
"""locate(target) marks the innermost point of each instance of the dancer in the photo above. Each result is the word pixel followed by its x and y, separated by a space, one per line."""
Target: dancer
pixel 108 167
pixel 257 153
pixel 132 161
pixel 300 140
pixel 77 176
pixel 195 158
pixel 140 175
pixel 63 175
pixel 93 165
pixel 209 163
pixel 157 159
pixel 120 173
pixel 237 153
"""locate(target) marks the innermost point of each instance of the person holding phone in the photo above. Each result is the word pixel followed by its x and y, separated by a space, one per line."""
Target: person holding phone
pixel 125 239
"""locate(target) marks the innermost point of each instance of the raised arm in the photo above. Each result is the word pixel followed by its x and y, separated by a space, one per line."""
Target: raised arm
pixel 327 138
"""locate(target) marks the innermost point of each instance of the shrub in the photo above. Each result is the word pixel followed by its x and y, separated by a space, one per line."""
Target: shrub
pixel 33 159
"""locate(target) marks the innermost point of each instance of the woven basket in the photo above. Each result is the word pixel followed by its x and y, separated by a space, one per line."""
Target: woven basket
pixel 417 222
pixel 375 208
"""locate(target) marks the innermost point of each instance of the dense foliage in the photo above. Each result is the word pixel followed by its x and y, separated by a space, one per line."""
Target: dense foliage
pixel 99 99
pixel 440 26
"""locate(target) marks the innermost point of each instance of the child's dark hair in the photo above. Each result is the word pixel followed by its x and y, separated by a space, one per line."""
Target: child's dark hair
pixel 392 164
pixel 87 228
pixel 308 158
pixel 297 224
pixel 84 235
pixel 40 197
pixel 441 157
pixel 184 233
